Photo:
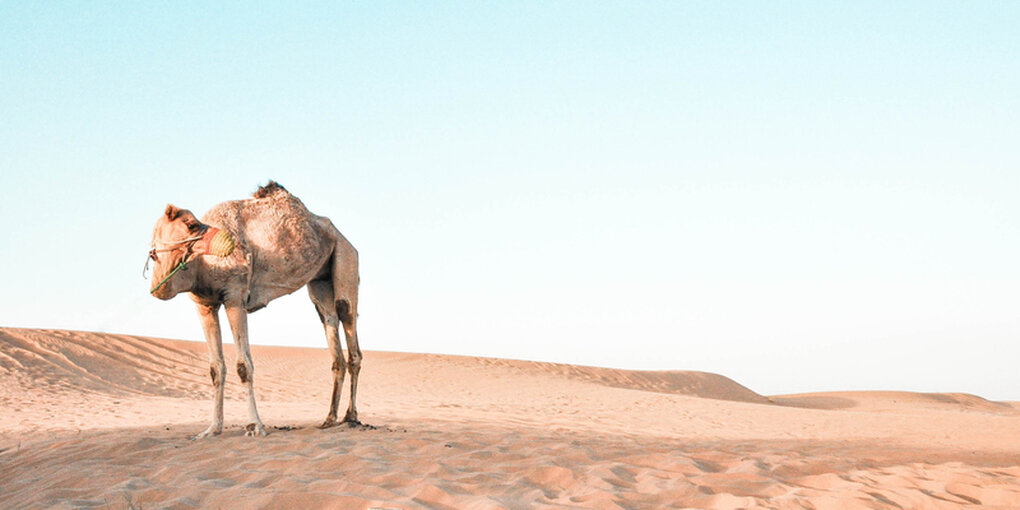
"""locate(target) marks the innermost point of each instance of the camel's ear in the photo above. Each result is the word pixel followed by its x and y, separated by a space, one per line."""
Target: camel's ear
pixel 172 212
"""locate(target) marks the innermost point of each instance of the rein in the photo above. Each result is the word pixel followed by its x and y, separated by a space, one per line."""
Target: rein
pixel 182 265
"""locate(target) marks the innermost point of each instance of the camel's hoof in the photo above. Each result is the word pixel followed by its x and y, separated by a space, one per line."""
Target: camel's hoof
pixel 330 422
pixel 255 430
pixel 211 431
pixel 357 425
pixel 351 418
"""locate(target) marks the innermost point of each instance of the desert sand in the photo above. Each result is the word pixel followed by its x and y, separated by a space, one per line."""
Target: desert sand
pixel 93 420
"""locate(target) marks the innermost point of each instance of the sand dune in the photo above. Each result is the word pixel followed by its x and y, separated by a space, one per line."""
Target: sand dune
pixel 100 420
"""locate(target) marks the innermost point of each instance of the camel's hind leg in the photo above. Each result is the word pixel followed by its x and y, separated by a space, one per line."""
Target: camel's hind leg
pixel 321 292
pixel 345 294
pixel 349 318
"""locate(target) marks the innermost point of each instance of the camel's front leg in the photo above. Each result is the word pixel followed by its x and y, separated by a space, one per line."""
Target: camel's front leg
pixel 238 318
pixel 209 315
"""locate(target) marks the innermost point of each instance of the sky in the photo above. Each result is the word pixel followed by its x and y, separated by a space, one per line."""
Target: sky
pixel 802 196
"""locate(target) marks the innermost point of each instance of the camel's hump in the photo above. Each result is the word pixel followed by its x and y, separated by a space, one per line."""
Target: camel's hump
pixel 271 188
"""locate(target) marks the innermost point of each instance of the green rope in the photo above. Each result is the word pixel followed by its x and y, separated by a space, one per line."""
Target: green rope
pixel 182 265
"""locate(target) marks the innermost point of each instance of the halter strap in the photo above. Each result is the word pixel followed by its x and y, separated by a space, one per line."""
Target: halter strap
pixel 172 243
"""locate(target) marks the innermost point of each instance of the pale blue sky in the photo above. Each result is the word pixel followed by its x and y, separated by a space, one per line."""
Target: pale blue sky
pixel 798 195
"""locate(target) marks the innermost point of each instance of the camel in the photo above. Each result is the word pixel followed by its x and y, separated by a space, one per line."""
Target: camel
pixel 242 255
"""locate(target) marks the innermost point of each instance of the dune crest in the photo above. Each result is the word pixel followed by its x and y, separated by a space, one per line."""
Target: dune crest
pixel 894 401
pixel 691 383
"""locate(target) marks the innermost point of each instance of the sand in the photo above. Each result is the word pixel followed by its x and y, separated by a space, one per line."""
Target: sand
pixel 100 420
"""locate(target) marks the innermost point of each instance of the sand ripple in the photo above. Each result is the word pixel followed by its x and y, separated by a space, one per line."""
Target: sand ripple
pixel 102 421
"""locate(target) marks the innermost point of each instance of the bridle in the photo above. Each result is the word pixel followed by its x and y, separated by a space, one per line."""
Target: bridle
pixel 173 245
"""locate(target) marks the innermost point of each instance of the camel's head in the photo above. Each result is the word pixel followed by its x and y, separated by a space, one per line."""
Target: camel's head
pixel 178 239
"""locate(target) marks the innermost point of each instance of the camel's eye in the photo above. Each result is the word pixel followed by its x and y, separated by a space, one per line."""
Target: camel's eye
pixel 152 254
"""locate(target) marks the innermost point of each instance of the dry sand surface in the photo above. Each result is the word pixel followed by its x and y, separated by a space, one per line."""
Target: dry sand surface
pixel 99 420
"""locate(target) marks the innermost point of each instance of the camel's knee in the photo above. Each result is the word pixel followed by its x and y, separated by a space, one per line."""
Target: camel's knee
pixel 245 371
pixel 354 363
pixel 339 366
pixel 216 373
